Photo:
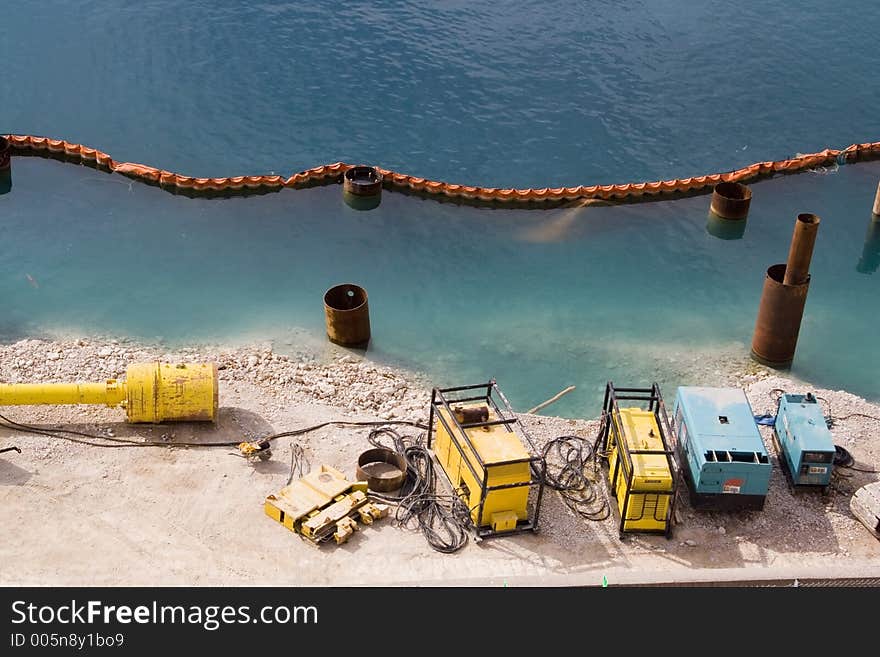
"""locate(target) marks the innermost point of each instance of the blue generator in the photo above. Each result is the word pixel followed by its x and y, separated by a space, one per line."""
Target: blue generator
pixel 805 446
pixel 720 449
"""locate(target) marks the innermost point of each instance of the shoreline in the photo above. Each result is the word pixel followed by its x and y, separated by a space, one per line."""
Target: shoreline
pixel 194 516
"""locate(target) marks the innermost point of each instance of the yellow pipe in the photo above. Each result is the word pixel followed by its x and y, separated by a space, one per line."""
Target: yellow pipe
pixel 20 394
pixel 153 392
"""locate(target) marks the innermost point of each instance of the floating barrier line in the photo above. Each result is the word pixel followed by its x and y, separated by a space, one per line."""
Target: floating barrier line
pixel 332 173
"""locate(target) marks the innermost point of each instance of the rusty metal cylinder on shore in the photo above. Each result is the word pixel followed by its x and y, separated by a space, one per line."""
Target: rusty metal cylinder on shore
pixel 362 187
pixel 877 201
pixel 801 251
pixel 731 200
pixel 347 315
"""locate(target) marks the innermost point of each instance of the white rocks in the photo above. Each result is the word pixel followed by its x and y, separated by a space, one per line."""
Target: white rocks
pixel 690 542
pixel 105 352
pixel 53 355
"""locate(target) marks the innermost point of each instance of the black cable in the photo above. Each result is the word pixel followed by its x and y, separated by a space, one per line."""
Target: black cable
pixel 843 459
pixel 864 415
pixel 89 438
pixel 777 397
pixel 568 459
pixel 825 414
pixel 444 520
pixel 6 423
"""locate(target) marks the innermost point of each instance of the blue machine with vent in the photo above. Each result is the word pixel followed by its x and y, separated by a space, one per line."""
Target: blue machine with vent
pixel 805 445
pixel 720 449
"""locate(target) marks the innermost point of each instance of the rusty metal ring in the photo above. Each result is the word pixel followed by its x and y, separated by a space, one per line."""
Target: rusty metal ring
pixel 386 480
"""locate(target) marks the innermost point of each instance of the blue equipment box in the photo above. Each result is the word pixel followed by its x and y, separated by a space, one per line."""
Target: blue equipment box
pixel 720 449
pixel 805 445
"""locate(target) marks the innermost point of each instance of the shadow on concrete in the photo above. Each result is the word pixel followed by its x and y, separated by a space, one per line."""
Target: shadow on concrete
pixel 11 474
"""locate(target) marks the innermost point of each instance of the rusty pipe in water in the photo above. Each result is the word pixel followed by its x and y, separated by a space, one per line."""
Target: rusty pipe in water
pixel 800 254
pixel 877 201
pixel 784 298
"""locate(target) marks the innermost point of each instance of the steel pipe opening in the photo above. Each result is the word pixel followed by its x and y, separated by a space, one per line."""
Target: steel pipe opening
pixel 731 200
pixel 362 187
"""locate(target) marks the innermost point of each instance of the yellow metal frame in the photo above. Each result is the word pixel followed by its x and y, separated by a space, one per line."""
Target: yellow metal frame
pixel 485 453
pixel 641 469
pixel 647 510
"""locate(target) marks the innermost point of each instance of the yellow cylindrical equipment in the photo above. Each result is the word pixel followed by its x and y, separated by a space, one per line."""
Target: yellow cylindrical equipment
pixel 152 392
pixel 22 394
pixel 165 392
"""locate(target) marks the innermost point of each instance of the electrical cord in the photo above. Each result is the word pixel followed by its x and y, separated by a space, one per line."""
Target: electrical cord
pixel 86 438
pixel 843 459
pixel 444 520
pixel 568 459
pixel 846 417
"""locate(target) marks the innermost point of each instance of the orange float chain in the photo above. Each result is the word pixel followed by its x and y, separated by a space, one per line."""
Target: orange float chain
pixel 332 173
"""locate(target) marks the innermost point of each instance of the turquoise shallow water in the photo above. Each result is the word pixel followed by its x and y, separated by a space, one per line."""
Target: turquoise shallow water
pixel 467 92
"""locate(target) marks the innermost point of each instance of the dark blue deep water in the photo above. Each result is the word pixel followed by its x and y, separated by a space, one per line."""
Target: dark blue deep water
pixel 497 94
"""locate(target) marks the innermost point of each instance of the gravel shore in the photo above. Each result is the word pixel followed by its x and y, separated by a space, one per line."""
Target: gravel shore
pixel 97 493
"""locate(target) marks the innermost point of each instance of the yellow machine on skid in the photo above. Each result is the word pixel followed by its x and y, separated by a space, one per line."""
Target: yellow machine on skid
pixel 152 392
pixel 324 505
pixel 641 469
pixel 488 458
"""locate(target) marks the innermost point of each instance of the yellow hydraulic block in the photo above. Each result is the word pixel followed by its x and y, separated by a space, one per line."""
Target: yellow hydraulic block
pixel 324 505
pixel 152 392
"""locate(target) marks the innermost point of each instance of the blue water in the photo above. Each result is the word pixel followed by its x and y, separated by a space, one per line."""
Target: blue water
pixel 482 93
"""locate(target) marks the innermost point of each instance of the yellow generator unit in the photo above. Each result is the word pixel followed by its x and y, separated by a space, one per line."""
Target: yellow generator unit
pixel 641 469
pixel 488 457
pixel 152 392
pixel 324 505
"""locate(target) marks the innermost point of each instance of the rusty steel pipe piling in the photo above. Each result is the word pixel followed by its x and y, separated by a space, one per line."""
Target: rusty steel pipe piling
pixel 362 187
pixel 877 201
pixel 801 251
pixel 784 298
pixel 731 200
pixel 869 263
pixel 347 315
pixel 5 165
pixel 5 154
